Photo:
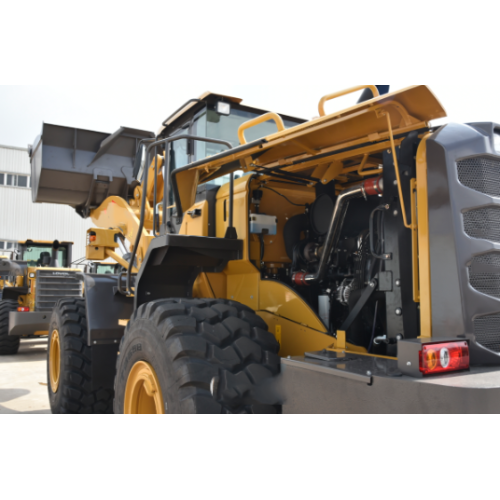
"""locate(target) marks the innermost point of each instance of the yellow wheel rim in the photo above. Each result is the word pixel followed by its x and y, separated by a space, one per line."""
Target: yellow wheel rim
pixel 143 392
pixel 54 361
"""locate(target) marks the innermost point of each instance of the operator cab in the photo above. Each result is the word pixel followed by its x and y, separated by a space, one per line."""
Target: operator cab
pixel 46 253
pixel 213 116
pixel 218 117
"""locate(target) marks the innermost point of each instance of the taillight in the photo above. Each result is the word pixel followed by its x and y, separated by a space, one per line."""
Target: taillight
pixel 23 309
pixel 444 358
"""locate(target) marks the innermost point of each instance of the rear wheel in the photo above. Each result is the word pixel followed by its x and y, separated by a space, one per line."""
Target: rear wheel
pixel 195 356
pixel 69 363
pixel 8 344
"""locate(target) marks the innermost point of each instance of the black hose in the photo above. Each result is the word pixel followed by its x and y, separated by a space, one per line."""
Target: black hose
pixel 283 196
pixel 292 231
pixel 373 251
pixel 141 223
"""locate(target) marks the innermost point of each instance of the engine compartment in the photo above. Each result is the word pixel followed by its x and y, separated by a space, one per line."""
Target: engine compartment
pixel 367 286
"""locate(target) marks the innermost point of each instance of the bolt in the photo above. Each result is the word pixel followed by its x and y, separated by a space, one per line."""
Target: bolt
pixel 398 282
pixel 232 296
pixel 409 363
pixel 395 213
pixel 399 311
pixel 389 151
pixel 369 374
pixel 289 357
pixel 251 298
pixel 388 256
pixel 116 341
pixel 372 284
pixel 407 174
pixel 399 337
pixel 395 182
pixel 325 181
pixel 95 342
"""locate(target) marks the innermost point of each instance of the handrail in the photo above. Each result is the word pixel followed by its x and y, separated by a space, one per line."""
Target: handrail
pixel 396 168
pixel 257 121
pixel 329 97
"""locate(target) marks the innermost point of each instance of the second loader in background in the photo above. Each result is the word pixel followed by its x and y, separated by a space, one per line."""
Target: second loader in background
pixel 32 285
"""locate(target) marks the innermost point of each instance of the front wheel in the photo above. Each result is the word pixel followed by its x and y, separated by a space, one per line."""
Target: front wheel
pixel 8 345
pixel 69 363
pixel 195 356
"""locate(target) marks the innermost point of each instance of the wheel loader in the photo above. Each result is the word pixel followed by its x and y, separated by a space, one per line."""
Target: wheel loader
pixel 346 264
pixel 32 285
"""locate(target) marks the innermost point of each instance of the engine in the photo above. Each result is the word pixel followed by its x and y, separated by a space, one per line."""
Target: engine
pixel 337 253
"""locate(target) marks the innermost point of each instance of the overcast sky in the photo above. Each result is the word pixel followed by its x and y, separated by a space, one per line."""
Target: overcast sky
pixel 24 108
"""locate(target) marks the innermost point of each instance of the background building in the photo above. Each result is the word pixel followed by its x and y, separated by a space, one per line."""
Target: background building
pixel 21 219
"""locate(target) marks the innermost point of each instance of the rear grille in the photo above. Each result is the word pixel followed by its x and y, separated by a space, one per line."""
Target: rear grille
pixel 52 286
pixel 483 223
pixel 481 173
pixel 484 274
pixel 487 331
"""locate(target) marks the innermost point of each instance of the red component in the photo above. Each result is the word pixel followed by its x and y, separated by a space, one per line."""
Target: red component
pixel 299 279
pixel 23 309
pixel 444 358
pixel 93 238
pixel 374 187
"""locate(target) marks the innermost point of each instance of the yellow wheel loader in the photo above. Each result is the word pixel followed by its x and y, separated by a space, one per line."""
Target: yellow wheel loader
pixel 33 285
pixel 347 264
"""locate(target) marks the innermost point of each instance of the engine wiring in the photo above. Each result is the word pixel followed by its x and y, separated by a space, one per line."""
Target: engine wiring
pixel 283 196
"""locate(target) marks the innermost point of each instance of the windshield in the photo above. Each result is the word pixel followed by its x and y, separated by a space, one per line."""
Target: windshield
pixel 209 123
pixel 226 128
pixel 40 256
pixel 105 269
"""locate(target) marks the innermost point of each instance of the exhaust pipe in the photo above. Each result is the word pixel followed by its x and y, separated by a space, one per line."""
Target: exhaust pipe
pixel 370 187
pixel 54 261
pixel 368 94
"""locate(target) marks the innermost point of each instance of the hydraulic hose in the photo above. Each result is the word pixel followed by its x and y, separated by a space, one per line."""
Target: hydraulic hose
pixel 371 187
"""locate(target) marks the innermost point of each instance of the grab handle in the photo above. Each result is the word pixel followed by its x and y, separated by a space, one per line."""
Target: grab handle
pixel 257 121
pixel 329 97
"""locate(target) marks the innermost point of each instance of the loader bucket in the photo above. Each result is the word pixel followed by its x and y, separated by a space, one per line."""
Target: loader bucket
pixel 81 168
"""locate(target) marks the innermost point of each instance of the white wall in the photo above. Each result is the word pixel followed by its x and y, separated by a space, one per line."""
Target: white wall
pixel 21 219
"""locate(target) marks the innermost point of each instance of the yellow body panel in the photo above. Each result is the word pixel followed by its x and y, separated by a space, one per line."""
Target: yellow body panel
pixel 296 339
pixel 424 259
pixel 282 301
pixel 98 241
pixel 196 226
pixel 116 213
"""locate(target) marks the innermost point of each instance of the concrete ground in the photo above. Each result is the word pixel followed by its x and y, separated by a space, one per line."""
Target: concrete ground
pixel 23 379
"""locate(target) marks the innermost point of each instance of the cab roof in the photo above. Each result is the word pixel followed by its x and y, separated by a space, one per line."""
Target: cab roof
pixel 44 242
pixel 211 96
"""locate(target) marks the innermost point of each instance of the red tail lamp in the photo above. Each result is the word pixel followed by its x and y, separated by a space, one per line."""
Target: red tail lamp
pixel 23 309
pixel 444 358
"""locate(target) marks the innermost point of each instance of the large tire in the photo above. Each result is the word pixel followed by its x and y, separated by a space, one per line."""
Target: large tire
pixel 74 392
pixel 208 355
pixel 8 345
